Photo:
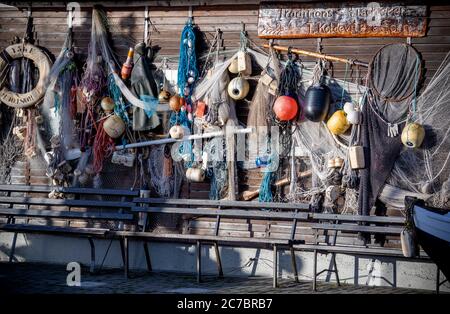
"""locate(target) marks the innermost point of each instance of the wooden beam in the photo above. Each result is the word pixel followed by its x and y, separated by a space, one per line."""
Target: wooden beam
pixel 318 55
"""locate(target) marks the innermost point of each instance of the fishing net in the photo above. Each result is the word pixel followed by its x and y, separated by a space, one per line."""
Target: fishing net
pixel 100 40
pixel 166 175
pixel 392 81
pixel 221 164
pixel 425 172
pixel 262 98
pixel 57 107
pixel 315 143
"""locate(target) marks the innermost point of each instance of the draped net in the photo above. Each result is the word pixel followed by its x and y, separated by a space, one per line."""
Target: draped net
pixel 426 170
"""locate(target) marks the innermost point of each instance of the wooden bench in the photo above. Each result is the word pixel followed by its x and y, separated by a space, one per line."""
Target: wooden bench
pixel 293 213
pixel 64 214
pixel 353 224
pixel 126 209
pixel 220 210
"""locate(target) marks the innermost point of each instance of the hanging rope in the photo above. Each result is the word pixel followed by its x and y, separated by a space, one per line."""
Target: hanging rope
pixel 412 113
pixel 290 78
pixel 265 190
pixel 103 148
pixel 187 64
pixel 343 89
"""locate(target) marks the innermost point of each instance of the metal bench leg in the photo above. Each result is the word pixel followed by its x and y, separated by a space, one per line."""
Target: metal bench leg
pixel 315 271
pixel 219 261
pixel 126 257
pixel 438 284
pixel 275 266
pixel 294 264
pixel 13 248
pixel 92 267
pixel 336 269
pixel 147 257
pixel 122 251
pixel 199 262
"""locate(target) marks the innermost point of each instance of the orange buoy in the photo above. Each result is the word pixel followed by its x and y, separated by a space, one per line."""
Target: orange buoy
pixel 175 103
pixel 201 108
pixel 285 108
pixel 107 104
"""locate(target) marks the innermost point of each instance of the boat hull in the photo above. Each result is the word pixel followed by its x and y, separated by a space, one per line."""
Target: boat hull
pixel 432 228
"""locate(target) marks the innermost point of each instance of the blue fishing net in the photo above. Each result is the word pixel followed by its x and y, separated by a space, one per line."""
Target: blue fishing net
pixel 150 104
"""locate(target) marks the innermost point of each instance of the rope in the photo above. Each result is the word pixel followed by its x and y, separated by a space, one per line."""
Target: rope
pixel 243 40
pixel 416 82
pixel 265 190
pixel 343 89
pixel 103 148
pixel 187 65
pixel 290 78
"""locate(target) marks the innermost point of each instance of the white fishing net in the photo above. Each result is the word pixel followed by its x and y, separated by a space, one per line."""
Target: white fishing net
pixel 426 170
pixel 166 175
pixel 100 32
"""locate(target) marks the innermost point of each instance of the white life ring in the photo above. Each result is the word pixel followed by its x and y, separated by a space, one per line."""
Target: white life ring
pixel 41 61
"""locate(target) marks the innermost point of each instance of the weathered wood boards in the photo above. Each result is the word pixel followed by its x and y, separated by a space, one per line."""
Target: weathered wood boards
pixel 306 20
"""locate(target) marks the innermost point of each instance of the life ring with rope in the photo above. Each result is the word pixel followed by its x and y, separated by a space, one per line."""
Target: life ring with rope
pixel 41 61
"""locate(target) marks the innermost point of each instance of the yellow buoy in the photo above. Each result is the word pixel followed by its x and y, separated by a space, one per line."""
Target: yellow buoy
pixel 338 123
pixel 413 135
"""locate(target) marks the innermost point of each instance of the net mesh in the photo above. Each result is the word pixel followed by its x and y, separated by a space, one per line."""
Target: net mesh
pixel 426 170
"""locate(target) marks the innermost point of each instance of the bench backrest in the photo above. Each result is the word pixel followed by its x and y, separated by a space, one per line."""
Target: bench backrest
pixel 222 204
pixel 295 223
pixel 68 190
pixel 79 206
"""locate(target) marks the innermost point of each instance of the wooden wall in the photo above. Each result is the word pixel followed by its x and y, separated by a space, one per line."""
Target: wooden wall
pixel 127 26
pixel 168 19
pixel 167 22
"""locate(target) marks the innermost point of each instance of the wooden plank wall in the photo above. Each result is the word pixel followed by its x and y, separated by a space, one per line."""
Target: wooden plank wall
pixel 167 23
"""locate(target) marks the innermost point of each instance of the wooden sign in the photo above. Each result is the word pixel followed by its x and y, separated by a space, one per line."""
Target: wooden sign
pixel 307 20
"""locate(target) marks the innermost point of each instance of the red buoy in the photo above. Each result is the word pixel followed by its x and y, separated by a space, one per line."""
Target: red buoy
pixel 285 108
